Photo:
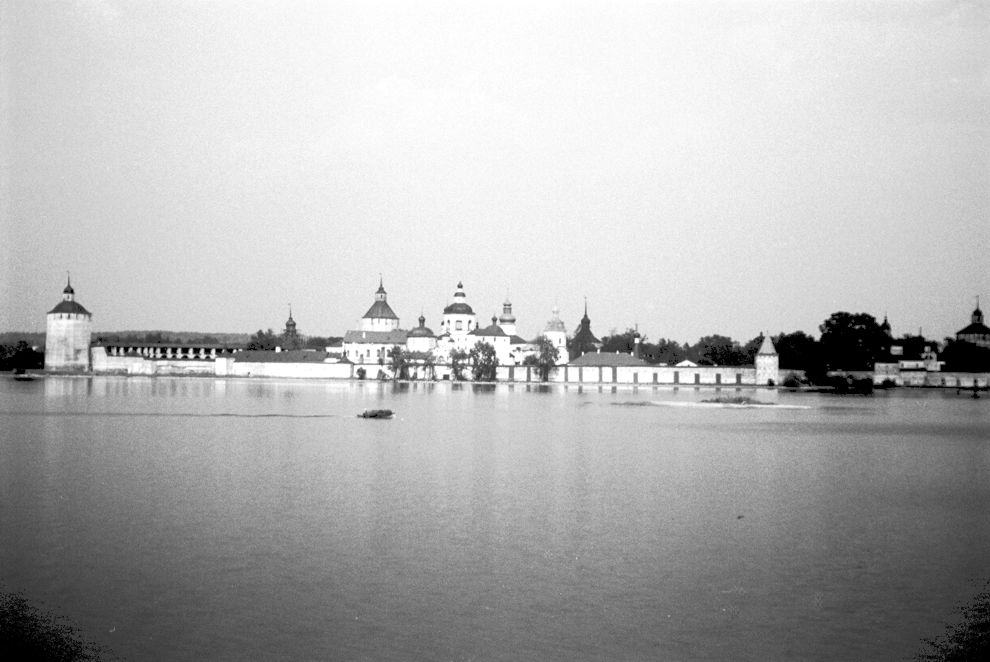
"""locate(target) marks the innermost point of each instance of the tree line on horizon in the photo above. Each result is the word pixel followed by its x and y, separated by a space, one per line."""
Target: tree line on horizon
pixel 849 342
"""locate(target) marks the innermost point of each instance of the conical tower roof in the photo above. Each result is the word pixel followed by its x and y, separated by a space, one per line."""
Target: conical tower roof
pixel 767 348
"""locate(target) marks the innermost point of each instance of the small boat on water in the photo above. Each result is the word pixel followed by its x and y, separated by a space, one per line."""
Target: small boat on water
pixel 376 413
pixel 21 376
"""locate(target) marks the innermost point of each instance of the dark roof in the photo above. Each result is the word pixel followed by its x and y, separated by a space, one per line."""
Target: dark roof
pixel 380 309
pixel 420 332
pixel 288 356
pixel 600 359
pixel 493 330
pixel 458 308
pixel 69 307
pixel 396 337
pixel 584 340
pixel 974 329
pixel 519 340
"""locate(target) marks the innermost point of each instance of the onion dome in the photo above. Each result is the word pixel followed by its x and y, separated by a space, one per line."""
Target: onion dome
pixel 507 317
pixel 460 305
pixel 421 331
pixel 555 324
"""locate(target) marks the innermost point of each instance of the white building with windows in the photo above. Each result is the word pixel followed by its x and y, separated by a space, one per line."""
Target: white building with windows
pixel 456 325
pixel 556 333
pixel 377 334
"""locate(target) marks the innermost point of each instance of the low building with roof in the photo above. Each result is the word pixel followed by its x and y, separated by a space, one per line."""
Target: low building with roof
pixel 608 359
pixel 68 334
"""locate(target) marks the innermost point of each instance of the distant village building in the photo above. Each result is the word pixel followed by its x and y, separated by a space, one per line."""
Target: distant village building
pixel 68 332
pixel 976 332
pixel 377 335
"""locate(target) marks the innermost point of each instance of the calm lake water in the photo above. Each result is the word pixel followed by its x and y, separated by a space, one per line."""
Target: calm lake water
pixel 180 519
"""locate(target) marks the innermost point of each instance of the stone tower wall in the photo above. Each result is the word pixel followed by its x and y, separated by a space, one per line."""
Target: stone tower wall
pixel 767 369
pixel 67 340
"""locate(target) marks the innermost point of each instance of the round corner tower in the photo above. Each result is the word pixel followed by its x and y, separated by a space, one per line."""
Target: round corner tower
pixel 68 331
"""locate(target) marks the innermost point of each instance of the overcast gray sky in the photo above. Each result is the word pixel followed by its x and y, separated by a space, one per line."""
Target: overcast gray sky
pixel 724 167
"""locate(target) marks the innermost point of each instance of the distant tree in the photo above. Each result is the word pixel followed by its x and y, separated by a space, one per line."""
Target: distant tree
pixel 429 366
pixel 398 363
pixel 852 341
pixel 751 349
pixel 265 340
pixel 719 350
pixel 318 342
pixel 623 343
pixel 290 342
pixel 20 356
pixel 912 346
pixel 209 340
pixel 665 351
pixel 962 356
pixel 458 361
pixel 546 357
pixel 799 351
pixel 484 362
pixel 424 359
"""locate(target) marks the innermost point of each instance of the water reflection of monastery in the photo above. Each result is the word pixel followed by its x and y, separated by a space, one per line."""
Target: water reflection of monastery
pixel 366 351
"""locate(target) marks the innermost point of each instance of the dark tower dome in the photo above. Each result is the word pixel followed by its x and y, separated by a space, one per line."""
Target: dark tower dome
pixel 421 331
pixel 460 305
